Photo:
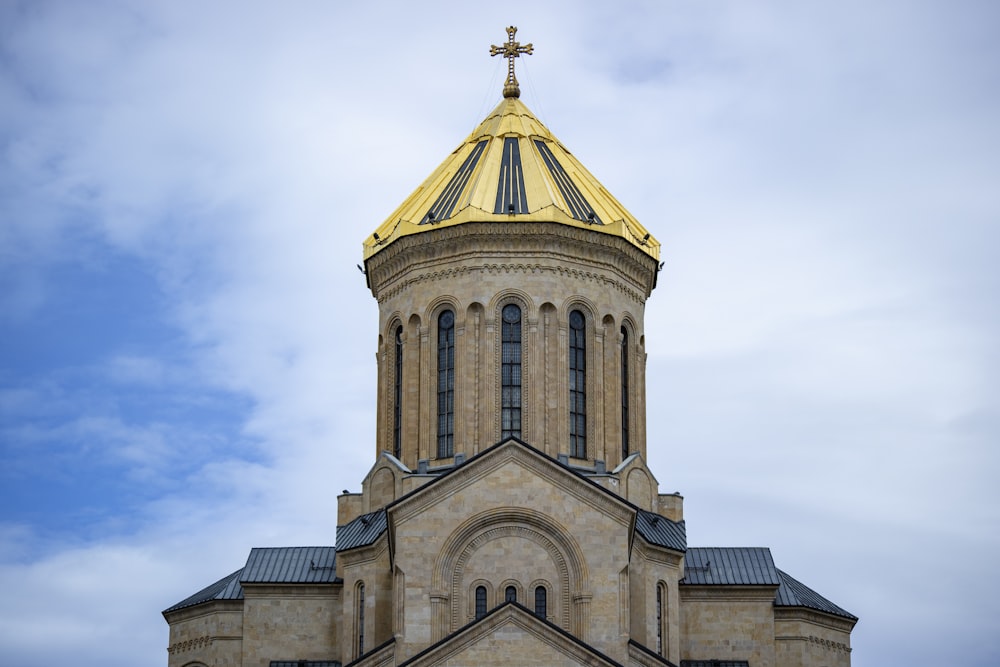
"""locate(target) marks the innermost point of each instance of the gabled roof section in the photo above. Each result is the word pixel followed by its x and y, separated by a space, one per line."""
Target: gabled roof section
pixel 227 588
pixel 507 449
pixel 362 531
pixel 661 531
pixel 793 593
pixel 511 169
pixel 511 614
pixel 290 565
pixel 730 566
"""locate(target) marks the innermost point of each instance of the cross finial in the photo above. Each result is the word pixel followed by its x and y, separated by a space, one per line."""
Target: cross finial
pixel 511 50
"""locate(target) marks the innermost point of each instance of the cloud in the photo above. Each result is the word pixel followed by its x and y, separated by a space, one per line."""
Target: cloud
pixel 821 341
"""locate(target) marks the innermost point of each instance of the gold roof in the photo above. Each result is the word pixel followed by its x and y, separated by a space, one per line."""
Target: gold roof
pixel 511 169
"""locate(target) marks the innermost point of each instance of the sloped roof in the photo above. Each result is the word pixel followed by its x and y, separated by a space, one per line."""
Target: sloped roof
pixel 661 531
pixel 728 566
pixel 227 588
pixel 511 169
pixel 290 565
pixel 362 531
pixel 793 593
pixel 514 609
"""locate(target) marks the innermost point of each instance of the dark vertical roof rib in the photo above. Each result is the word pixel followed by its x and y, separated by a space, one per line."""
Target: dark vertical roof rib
pixel 793 593
pixel 227 588
pixel 362 531
pixel 290 565
pixel 576 202
pixel 511 195
pixel 661 531
pixel 445 204
pixel 749 566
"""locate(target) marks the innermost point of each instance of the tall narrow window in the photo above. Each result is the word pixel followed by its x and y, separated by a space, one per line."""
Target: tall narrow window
pixel 659 620
pixel 510 372
pixel 446 384
pixel 541 601
pixel 480 601
pixel 397 407
pixel 577 385
pixel 510 595
pixel 625 443
pixel 361 619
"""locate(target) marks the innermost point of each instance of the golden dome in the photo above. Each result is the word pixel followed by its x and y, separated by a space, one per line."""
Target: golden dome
pixel 511 169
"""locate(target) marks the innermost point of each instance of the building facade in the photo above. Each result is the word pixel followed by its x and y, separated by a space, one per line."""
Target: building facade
pixel 510 516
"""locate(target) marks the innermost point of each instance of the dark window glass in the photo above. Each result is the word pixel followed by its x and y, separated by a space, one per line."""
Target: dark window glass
pixel 480 601
pixel 446 384
pixel 510 595
pixel 397 409
pixel 510 372
pixel 541 601
pixel 625 443
pixel 659 619
pixel 577 385
pixel 361 619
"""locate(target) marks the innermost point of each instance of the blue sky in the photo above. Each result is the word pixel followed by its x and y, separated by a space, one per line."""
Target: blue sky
pixel 187 347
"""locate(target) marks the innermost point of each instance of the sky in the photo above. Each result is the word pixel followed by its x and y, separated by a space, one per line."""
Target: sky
pixel 187 348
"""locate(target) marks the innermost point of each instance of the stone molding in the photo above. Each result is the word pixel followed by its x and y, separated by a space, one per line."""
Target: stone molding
pixel 519 238
pixel 830 645
pixel 726 592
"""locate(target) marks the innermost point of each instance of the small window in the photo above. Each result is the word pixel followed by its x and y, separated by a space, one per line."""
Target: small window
pixel 541 601
pixel 480 601
pixel 510 595
pixel 660 595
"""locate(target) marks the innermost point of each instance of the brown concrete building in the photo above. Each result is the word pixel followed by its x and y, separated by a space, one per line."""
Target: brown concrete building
pixel 509 517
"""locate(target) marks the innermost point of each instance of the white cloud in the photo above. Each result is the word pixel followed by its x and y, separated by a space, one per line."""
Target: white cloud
pixel 821 342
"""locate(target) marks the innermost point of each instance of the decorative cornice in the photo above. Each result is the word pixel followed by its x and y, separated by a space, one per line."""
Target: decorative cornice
pixel 483 241
pixel 830 645
pixel 728 592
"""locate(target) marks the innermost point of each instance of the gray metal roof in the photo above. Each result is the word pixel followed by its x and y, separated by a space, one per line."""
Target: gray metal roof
pixel 362 531
pixel 290 565
pixel 661 531
pixel 227 588
pixel 793 593
pixel 748 566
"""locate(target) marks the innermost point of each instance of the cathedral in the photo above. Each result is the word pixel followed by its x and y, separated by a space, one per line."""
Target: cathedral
pixel 509 517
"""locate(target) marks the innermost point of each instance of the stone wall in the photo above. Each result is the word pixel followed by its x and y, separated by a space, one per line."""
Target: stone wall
pixel 210 633
pixel 290 622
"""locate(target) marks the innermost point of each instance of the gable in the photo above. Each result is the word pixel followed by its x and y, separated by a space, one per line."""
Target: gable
pixel 507 470
pixel 515 633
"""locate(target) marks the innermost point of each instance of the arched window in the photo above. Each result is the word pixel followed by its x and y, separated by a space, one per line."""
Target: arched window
pixel 510 594
pixel 480 601
pixel 510 372
pixel 397 400
pixel 541 601
pixel 625 443
pixel 660 601
pixel 577 385
pixel 446 384
pixel 361 618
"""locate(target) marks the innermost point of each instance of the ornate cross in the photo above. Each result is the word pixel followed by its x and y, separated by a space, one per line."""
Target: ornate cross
pixel 511 50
